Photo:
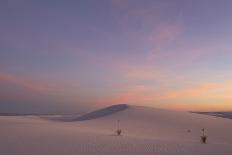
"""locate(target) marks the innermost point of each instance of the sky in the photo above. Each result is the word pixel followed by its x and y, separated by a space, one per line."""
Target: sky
pixel 65 56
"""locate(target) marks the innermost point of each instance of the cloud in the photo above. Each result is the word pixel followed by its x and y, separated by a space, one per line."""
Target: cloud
pixel 165 33
pixel 194 91
pixel 199 106
pixel 180 98
pixel 24 83
pixel 191 54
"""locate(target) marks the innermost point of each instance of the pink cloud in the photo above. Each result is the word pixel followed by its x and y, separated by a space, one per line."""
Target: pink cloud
pixel 152 96
pixel 24 83
pixel 195 91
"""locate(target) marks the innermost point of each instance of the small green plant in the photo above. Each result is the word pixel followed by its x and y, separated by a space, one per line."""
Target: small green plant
pixel 118 131
pixel 203 137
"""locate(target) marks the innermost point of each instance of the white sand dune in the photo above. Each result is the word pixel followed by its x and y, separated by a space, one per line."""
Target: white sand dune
pixel 102 112
pixel 146 131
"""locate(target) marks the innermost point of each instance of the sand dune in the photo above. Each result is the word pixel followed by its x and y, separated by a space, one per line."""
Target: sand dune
pixel 102 112
pixel 87 116
pixel 145 131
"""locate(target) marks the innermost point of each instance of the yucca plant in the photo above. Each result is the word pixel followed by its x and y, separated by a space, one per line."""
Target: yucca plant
pixel 118 131
pixel 203 137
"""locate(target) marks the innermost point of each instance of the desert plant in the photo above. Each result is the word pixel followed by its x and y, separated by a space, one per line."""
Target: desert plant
pixel 118 131
pixel 203 137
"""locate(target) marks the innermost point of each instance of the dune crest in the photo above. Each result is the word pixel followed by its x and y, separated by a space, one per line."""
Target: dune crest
pixel 102 112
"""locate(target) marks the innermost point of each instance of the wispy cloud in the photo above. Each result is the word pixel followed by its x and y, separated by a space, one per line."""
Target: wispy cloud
pixel 194 91
pixel 174 99
pixel 25 83
pixel 165 33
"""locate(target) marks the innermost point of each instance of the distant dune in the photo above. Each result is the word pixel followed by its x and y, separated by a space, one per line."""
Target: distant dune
pixel 145 131
pixel 217 114
pixel 88 116
pixel 102 112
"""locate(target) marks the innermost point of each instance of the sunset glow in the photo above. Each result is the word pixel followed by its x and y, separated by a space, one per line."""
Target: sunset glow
pixel 64 57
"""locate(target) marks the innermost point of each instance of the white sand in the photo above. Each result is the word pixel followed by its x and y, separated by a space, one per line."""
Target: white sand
pixel 146 131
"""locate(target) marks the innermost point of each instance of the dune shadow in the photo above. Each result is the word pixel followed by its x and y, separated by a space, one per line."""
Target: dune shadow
pixel 102 112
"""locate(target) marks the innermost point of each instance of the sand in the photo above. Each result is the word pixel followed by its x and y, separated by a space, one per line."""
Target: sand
pixel 145 131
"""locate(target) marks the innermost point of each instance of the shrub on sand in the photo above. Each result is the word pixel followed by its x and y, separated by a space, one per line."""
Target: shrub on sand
pixel 118 131
pixel 203 137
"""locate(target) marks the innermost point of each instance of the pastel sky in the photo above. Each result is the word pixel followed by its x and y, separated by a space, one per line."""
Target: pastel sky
pixel 62 56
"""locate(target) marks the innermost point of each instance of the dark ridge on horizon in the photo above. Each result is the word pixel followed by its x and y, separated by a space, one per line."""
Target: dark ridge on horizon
pixel 102 112
pixel 227 115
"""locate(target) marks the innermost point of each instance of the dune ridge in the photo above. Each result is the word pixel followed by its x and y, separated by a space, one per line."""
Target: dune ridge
pixel 102 112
